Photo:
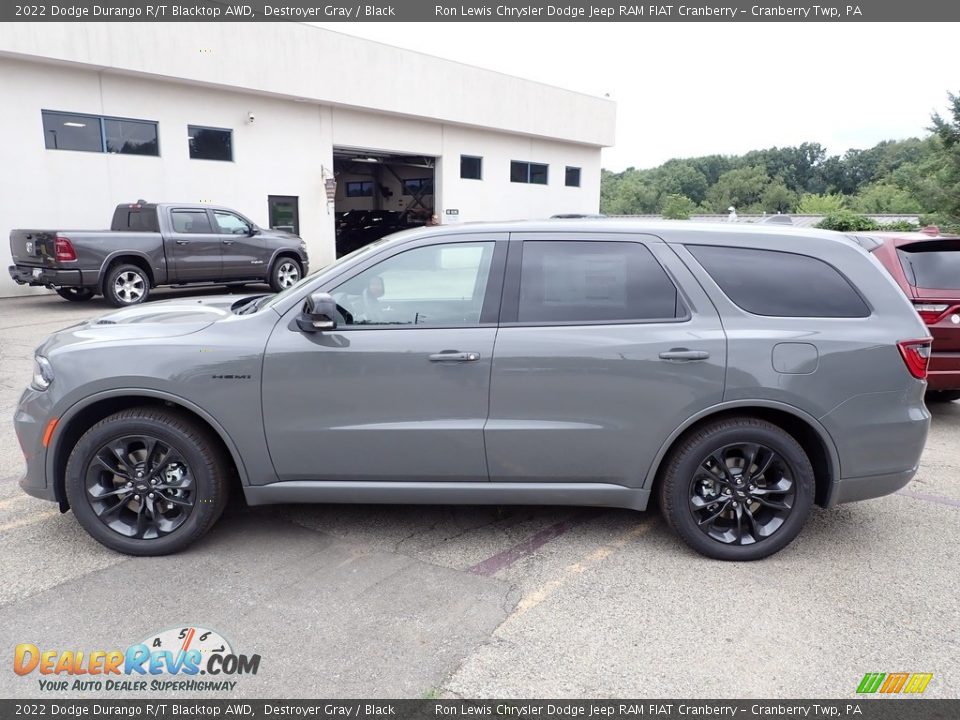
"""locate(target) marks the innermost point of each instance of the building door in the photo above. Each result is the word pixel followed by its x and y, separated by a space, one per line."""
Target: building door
pixel 284 212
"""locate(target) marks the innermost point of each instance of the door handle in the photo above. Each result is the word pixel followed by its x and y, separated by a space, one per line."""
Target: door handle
pixel 228 242
pixel 684 355
pixel 183 242
pixel 454 356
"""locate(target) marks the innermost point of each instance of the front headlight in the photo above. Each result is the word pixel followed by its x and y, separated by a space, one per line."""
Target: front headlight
pixel 42 373
pixel 303 246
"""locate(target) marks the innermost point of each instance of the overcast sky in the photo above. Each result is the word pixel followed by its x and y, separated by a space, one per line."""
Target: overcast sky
pixel 687 89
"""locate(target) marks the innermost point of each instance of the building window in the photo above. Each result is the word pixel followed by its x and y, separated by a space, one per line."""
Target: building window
pixel 208 143
pixel 362 188
pixel 527 172
pixel 418 186
pixel 573 177
pixel 471 167
pixel 72 132
pixel 93 133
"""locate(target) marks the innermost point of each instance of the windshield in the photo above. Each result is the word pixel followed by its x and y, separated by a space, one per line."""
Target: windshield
pixel 273 300
pixel 932 265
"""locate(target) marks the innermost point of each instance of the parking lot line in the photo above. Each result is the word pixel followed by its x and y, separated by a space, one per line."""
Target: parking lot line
pixel 508 557
pixel 28 520
pixel 538 595
pixel 939 499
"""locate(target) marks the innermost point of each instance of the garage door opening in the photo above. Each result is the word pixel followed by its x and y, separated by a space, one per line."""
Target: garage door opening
pixel 380 193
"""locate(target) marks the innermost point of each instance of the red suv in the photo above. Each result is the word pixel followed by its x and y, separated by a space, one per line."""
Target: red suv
pixel 926 265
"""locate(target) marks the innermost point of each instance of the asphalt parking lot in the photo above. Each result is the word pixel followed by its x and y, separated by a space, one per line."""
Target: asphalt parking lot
pixel 522 602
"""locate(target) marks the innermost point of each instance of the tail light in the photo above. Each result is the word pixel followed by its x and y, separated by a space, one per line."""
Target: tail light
pixel 916 356
pixel 63 249
pixel 931 312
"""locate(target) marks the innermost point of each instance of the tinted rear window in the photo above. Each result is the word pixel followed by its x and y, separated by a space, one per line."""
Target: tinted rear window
pixel 932 264
pixel 571 282
pixel 769 282
pixel 135 219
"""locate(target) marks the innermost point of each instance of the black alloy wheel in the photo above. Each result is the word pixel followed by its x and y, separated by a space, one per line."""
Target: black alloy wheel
pixel 742 493
pixel 140 487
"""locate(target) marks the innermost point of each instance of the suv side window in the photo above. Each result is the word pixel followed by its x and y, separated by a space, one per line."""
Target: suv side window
pixel 780 284
pixel 231 224
pixel 594 281
pixel 190 221
pixel 435 285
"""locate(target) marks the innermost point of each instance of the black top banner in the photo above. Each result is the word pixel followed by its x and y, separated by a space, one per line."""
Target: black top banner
pixel 444 10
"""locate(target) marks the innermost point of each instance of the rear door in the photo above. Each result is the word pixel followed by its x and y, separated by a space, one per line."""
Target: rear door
pixel 599 357
pixel 242 251
pixel 193 246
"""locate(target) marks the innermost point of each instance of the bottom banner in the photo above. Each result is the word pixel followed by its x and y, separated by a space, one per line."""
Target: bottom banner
pixel 887 709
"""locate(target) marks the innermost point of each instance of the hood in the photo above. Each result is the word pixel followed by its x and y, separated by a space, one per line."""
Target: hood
pixel 168 318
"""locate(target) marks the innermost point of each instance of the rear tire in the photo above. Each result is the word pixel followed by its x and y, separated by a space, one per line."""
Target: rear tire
pixel 75 294
pixel 285 273
pixel 147 481
pixel 126 285
pixel 737 489
pixel 939 396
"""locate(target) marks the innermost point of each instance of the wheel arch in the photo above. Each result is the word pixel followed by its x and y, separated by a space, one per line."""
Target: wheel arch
pixel 83 415
pixel 803 427
pixel 281 253
pixel 128 258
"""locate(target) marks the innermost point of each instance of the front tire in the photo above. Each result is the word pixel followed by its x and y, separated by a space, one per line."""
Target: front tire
pixel 75 294
pixel 286 273
pixel 737 489
pixel 146 481
pixel 126 285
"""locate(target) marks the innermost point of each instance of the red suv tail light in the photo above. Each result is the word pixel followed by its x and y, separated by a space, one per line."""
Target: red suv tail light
pixel 63 249
pixel 931 312
pixel 916 356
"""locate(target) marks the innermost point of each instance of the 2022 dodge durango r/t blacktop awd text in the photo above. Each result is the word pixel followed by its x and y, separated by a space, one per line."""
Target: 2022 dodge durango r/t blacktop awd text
pixel 740 374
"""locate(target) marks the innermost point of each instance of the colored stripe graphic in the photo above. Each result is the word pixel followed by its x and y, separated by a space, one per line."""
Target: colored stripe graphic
pixel 894 682
pixel 870 682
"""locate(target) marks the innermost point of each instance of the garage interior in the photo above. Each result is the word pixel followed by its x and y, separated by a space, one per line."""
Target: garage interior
pixel 379 193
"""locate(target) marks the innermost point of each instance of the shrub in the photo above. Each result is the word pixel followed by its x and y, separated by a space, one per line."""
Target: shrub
pixel 847 221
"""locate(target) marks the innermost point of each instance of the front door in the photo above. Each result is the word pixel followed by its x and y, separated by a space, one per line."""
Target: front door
pixel 242 252
pixel 193 245
pixel 284 212
pixel 598 358
pixel 399 390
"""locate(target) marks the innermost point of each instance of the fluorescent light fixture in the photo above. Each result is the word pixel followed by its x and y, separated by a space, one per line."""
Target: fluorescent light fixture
pixel 367 160
pixel 189 137
pixel 73 124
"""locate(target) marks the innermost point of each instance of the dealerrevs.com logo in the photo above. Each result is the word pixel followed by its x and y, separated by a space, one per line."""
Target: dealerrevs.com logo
pixel 894 683
pixel 168 661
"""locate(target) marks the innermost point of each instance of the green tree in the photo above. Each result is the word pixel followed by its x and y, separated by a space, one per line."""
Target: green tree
pixel 778 198
pixel 676 177
pixel 741 188
pixel 677 207
pixel 811 204
pixel 947 131
pixel 884 197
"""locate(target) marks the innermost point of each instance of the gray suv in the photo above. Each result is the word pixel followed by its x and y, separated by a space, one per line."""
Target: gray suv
pixel 736 374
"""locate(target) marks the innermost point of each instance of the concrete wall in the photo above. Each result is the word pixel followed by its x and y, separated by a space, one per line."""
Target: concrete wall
pixel 301 61
pixel 179 73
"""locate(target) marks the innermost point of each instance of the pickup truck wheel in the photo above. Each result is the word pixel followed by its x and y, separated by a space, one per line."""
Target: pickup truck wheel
pixel 146 481
pixel 126 285
pixel 286 273
pixel 74 294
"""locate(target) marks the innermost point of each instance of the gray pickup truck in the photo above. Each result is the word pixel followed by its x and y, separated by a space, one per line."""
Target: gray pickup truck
pixel 151 244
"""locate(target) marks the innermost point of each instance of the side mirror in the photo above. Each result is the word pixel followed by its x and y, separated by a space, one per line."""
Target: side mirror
pixel 254 230
pixel 319 313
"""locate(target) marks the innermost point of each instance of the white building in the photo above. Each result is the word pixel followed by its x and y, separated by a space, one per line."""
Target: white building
pixel 259 117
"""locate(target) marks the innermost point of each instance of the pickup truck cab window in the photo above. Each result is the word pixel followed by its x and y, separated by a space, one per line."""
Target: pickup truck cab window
pixel 231 224
pixel 190 221
pixel 432 285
